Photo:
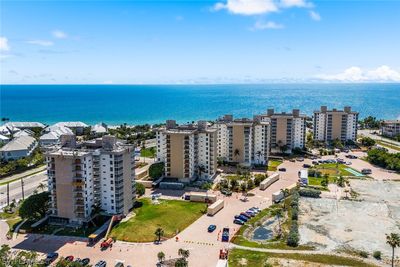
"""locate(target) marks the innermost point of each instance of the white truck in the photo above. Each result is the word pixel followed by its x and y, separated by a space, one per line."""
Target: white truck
pixel 215 207
pixel 277 196
pixel 269 181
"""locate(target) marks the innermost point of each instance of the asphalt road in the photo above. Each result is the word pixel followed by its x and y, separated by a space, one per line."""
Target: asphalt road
pixel 31 184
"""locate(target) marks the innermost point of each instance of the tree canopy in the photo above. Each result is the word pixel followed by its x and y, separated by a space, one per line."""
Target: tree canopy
pixel 35 206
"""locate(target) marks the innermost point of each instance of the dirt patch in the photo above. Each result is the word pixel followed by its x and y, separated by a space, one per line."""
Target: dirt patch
pixel 331 224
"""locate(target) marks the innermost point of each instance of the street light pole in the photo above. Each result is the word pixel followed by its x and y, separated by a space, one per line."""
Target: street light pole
pixel 8 194
pixel 22 188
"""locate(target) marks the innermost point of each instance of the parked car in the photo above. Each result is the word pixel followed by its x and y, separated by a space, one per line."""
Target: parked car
pixel 225 235
pixel 366 171
pixel 238 221
pixel 119 264
pixel 292 160
pixel 245 214
pixel 300 159
pixel 256 208
pixel 69 258
pixel 282 169
pixel 85 261
pixel 51 257
pixel 226 192
pixel 306 165
pixel 348 163
pixel 211 228
pixel 250 213
pixel 241 217
pixel 101 264
pixel 315 162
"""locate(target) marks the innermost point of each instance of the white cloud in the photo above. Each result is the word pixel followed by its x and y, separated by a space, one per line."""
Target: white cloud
pixel 384 73
pixel 356 74
pixel 270 25
pixel 247 7
pixel 295 3
pixel 4 44
pixel 315 16
pixel 41 42
pixel 59 34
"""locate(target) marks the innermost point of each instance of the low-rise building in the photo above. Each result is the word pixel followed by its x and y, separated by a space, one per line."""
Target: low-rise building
pixel 77 127
pixel 53 134
pixel 83 176
pixel 99 129
pixel 188 151
pixel 18 148
pixel 22 125
pixel 390 128
pixel 330 125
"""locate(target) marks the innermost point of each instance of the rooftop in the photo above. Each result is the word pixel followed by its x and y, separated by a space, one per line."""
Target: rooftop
pixel 24 124
pixel 19 143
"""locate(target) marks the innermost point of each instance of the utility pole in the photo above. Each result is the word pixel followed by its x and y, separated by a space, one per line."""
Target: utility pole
pixel 22 187
pixel 8 194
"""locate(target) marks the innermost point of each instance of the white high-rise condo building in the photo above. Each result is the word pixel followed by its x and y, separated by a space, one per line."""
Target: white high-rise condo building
pixel 288 130
pixel 330 125
pixel 243 141
pixel 94 173
pixel 188 151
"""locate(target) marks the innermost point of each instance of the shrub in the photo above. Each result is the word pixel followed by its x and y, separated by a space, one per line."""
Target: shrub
pixel 310 193
pixel 363 254
pixel 377 255
pixel 295 214
pixel 250 184
pixel 258 178
pixel 140 189
pixel 293 237
pixel 156 170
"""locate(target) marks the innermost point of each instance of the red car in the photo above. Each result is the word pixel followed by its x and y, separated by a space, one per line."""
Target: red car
pixel 69 258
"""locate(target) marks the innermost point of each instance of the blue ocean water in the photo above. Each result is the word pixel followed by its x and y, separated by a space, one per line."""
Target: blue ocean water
pixel 137 104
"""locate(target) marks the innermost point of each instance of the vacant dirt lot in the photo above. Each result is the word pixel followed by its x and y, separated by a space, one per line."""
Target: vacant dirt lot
pixel 330 224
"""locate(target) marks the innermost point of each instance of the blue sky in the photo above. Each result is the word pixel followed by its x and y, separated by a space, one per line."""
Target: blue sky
pixel 199 41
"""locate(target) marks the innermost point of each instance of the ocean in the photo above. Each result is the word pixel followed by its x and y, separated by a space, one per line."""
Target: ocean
pixel 139 104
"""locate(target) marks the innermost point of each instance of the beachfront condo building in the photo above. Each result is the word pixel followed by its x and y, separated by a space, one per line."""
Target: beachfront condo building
pixel 330 125
pixel 98 173
pixel 188 151
pixel 243 141
pixel 288 130
pixel 390 128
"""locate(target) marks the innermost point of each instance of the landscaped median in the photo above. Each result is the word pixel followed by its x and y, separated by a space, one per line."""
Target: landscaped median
pixel 172 216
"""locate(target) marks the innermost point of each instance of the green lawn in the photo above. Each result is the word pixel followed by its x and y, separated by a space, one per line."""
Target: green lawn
pixel 273 164
pixel 171 215
pixel 148 152
pixel 260 259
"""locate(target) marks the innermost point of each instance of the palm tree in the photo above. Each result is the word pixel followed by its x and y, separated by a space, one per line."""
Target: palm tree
pixel 259 153
pixel 236 153
pixel 184 253
pixel 41 187
pixel 161 256
pixel 244 188
pixel 340 181
pixel 159 233
pixel 200 170
pixel 393 240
